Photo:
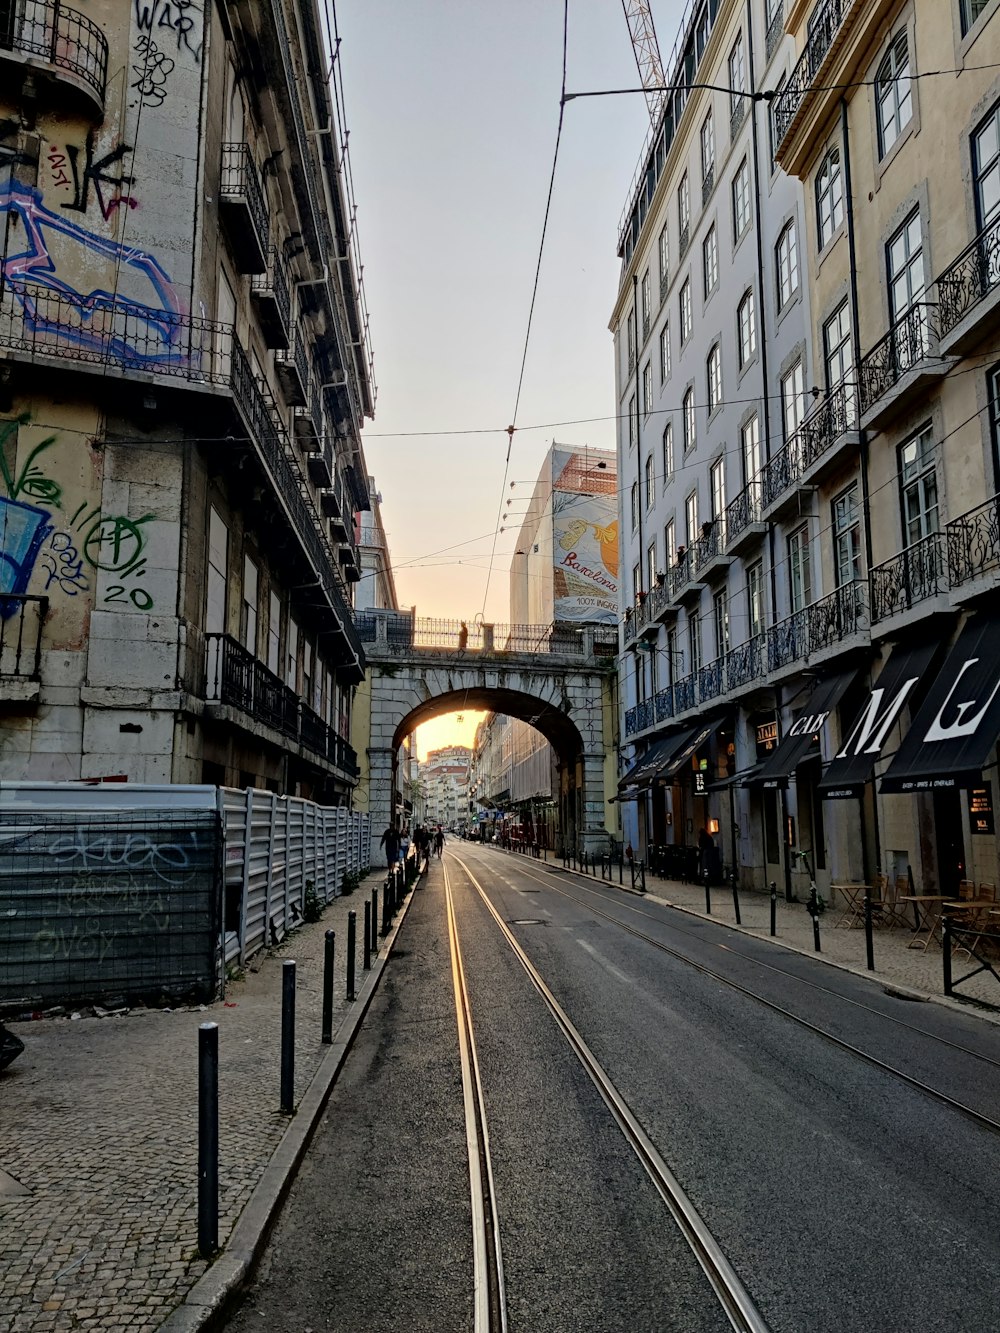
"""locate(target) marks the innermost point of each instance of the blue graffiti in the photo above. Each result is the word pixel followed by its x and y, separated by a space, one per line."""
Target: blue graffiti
pixel 146 333
pixel 23 530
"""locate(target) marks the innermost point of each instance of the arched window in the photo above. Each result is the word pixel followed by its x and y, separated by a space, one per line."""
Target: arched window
pixel 893 100
pixel 829 197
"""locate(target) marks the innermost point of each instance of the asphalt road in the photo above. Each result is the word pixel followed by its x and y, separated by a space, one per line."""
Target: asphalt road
pixel 845 1199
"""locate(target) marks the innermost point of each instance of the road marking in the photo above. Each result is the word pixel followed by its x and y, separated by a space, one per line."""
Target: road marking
pixel 605 962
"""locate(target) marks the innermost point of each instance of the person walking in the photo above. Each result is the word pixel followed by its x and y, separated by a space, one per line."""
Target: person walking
pixel 390 841
pixel 404 843
pixel 439 841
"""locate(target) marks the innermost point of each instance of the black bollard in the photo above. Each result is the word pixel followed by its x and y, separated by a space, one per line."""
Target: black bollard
pixel 385 905
pixel 368 938
pixel 620 869
pixel 208 1139
pixel 352 940
pixel 329 942
pixel 631 871
pixel 287 1037
pixel 814 913
pixel 736 898
pixel 375 921
pixel 708 895
pixel 869 942
pixel 774 908
pixel 642 876
pixel 946 952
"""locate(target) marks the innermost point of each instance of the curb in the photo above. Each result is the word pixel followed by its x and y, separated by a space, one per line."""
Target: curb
pixel 215 1293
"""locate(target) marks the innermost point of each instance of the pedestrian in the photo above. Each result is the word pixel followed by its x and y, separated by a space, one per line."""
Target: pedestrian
pixel 423 841
pixel 463 637
pixel 390 841
pixel 439 841
pixel 404 843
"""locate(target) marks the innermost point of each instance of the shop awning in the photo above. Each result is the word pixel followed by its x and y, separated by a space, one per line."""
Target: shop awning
pixel 696 738
pixel 782 762
pixel 898 684
pixel 741 779
pixel 958 723
pixel 643 770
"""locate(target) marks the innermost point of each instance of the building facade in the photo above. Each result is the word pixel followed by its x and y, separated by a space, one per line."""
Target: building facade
pixel 444 781
pixel 184 373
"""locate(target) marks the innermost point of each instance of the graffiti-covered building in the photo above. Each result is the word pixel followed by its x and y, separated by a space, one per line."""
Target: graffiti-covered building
pixel 184 372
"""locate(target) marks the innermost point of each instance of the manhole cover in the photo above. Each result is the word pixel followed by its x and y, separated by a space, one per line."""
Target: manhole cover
pixel 528 921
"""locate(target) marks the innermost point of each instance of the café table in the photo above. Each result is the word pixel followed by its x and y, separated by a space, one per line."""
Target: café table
pixel 977 910
pixel 853 907
pixel 928 908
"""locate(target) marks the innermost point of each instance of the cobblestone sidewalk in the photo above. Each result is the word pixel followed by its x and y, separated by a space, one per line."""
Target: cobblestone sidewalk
pixel 98 1147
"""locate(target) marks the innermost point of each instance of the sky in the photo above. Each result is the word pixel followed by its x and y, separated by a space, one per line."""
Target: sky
pixel 453 107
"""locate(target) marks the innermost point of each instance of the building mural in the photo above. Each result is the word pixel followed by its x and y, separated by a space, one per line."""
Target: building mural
pixel 585 531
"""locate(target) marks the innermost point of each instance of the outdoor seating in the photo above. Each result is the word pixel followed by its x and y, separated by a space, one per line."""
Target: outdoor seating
pixel 852 904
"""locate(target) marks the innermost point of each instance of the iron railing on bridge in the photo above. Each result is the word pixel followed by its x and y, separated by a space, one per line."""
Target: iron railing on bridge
pixel 405 633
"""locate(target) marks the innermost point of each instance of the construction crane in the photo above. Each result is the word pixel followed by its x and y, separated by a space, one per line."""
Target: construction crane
pixel 646 49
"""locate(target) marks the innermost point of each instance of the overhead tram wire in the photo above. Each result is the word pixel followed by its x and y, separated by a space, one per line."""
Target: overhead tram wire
pixel 534 294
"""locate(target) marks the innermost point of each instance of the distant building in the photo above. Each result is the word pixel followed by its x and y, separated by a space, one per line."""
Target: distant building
pixel 444 780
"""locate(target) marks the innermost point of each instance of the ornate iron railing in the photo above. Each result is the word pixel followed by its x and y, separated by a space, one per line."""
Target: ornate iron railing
pixel 21 618
pixel 59 35
pixel 406 633
pixel 274 280
pixel 707 185
pixel 818 433
pixel 820 625
pixel 746 662
pixel 908 578
pixel 680 574
pixel 974 543
pixel 911 339
pixel 710 544
pixel 658 599
pixel 645 327
pixel 631 725
pixel 711 680
pixel 973 274
pixel 241 180
pixel 823 27
pixel 744 511
pixel 663 704
pixel 685 692
pixel 684 240
pixel 644 714
pixel 775 29
pixel 737 116
pixel 664 286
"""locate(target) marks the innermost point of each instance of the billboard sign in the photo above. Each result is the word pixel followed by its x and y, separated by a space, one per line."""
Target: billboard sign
pixel 585 537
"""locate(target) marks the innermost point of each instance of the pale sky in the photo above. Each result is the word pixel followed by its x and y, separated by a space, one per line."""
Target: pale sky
pixel 452 107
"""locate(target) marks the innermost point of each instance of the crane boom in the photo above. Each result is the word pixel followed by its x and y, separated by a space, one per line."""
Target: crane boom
pixel 646 49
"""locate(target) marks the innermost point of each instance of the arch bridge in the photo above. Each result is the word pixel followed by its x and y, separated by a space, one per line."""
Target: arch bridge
pixel 556 677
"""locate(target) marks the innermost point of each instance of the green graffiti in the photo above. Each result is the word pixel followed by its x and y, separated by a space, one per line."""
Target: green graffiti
pixel 31 481
pixel 115 543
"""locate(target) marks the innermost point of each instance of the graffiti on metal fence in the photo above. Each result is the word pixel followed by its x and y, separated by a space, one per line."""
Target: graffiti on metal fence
pixel 172 863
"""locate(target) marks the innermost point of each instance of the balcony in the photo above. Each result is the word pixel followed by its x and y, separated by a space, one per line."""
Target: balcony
pixel 969 293
pixel 775 30
pixel 320 465
pixel 684 240
pixel 908 579
pixel 292 365
pixel 350 560
pixel 21 618
pixel 824 28
pixel 710 554
pixel 50 38
pixel 639 718
pixel 900 366
pixel 746 664
pixel 681 578
pixel 821 630
pixel 973 542
pixel 744 521
pixel 663 704
pixel 707 185
pixel 271 300
pixel 711 681
pixel 816 448
pixel 243 208
pixel 685 693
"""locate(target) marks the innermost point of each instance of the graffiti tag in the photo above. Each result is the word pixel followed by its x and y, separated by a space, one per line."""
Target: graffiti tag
pixel 63 566
pixel 99 173
pixel 170 862
pixel 57 165
pixel 152 74
pixel 181 18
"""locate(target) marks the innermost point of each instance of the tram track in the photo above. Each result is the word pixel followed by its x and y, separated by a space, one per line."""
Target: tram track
pixel 919 1085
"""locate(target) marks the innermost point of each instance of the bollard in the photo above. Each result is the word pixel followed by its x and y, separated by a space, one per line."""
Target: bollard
pixel 352 940
pixel 329 942
pixel 642 876
pixel 736 898
pixel 869 942
pixel 375 921
pixel 368 940
pixel 946 952
pixel 631 871
pixel 774 908
pixel 287 1037
pixel 208 1139
pixel 620 869
pixel 708 895
pixel 385 906
pixel 814 913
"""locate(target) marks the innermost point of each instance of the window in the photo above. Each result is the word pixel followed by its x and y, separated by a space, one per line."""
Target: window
pixel 273 632
pixel 668 451
pixel 630 330
pixel 218 573
pixel 664 354
pixel 837 354
pixel 689 423
pixel 707 154
pixel 775 102
pixel 685 305
pixel 755 599
pixel 248 611
pixel 635 505
pixel 986 168
pixel 741 199
pixel 893 95
pixel 905 266
pixel 713 367
pixel 737 79
pixel 636 582
pixel 792 399
pixel 750 441
pixel 644 295
pixel 846 536
pixel 747 321
pixel 651 566
pixel 694 641
pixel 829 197
pixel 720 608
pixel 786 264
pixel 664 255
pixel 718 480
pixel 670 543
pixel 647 480
pixel 684 211
pixel 647 389
pixel 691 519
pixel 799 571
pixel 918 485
pixel 631 421
pixel 971 9
pixel 710 259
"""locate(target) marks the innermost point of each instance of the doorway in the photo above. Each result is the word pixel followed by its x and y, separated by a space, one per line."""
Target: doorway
pixel 949 842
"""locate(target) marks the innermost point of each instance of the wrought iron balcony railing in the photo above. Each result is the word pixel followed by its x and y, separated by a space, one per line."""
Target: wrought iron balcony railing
pixel 737 116
pixel 645 327
pixel 631 723
pixel 62 37
pixel 21 618
pixel 292 364
pixel 908 578
pixel 746 663
pixel 823 27
pixel 744 511
pixel 973 275
pixel 681 573
pixel 684 240
pixel 241 183
pixel 685 693
pixel 822 428
pixel 711 543
pixel 270 293
pixel 644 714
pixel 664 286
pixel 974 543
pixel 911 339
pixel 775 29
pixel 821 625
pixel 707 185
pixel 711 680
pixel 663 704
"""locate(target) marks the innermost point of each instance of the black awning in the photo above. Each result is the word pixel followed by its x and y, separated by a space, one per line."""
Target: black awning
pixel 690 745
pixel 741 779
pixel 643 770
pixel 958 723
pixel 899 683
pixel 785 758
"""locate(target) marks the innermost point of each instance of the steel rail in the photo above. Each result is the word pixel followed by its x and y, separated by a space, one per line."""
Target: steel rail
pixel 873 1060
pixel 734 1298
pixel 489 1293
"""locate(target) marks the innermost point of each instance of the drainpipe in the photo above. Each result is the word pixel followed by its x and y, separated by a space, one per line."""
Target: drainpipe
pixel 862 434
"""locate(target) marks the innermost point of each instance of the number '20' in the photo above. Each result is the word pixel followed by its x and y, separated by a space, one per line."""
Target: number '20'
pixel 139 597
